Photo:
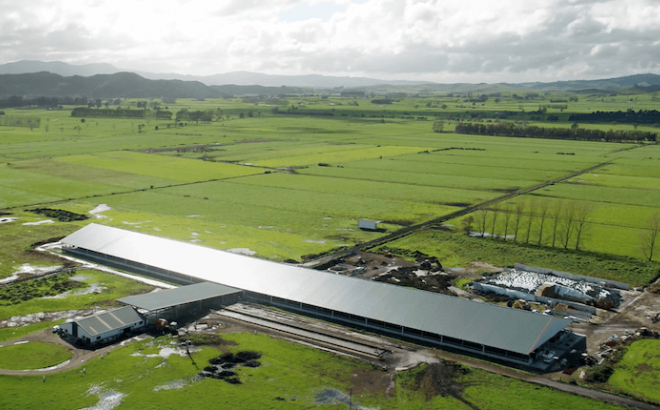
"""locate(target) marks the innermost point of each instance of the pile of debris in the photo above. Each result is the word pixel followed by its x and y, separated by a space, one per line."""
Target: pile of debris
pixel 412 276
pixel 221 367
pixel 555 287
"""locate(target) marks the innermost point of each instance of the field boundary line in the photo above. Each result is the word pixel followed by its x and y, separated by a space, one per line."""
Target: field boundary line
pixel 436 221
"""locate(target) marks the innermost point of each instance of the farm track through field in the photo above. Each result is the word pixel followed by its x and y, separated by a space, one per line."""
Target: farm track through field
pixel 132 191
pixel 437 221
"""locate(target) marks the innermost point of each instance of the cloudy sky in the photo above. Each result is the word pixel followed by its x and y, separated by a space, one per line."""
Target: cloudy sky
pixel 442 41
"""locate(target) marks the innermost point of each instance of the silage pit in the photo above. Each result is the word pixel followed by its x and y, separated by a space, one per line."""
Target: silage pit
pixel 221 367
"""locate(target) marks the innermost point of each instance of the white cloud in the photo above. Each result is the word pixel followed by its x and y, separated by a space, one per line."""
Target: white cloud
pixel 443 40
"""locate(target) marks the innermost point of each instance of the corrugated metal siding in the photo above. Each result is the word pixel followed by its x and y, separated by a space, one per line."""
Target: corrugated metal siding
pixel 509 329
pixel 178 296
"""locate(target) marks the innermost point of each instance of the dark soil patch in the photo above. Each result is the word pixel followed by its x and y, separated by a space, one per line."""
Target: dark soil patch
pixel 599 374
pixel 50 240
pixel 457 204
pixel 60 214
pixel 371 381
pixel 220 366
pixel 442 379
pixel 643 367
pixel 3 213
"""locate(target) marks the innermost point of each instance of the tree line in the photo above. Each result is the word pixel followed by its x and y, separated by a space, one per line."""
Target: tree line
pixel 22 121
pixel 553 223
pixel 629 116
pixel 572 133
pixel 82 112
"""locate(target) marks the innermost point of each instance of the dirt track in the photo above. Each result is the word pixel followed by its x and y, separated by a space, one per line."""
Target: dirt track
pixel 79 358
pixel 438 221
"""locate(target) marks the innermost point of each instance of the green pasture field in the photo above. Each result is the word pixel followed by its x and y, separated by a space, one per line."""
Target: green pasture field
pixel 113 287
pixel 637 373
pixel 285 215
pixel 32 355
pixel 158 166
pixel 458 250
pixel 291 376
pixel 17 239
pixel 439 174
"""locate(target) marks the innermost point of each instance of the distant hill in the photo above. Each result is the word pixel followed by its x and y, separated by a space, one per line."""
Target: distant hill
pixel 122 85
pixel 268 80
pixel 104 80
pixel 232 78
pixel 57 67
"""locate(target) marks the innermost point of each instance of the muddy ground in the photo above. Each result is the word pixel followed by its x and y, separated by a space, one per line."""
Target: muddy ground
pixel 426 273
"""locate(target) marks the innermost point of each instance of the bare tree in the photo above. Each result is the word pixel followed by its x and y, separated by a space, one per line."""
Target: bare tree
pixel 555 214
pixel 518 213
pixel 568 224
pixel 494 223
pixel 466 225
pixel 481 218
pixel 507 219
pixel 582 214
pixel 542 214
pixel 649 236
pixel 530 219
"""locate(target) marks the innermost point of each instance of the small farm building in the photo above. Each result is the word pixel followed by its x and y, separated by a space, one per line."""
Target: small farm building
pixel 368 224
pixel 508 335
pixel 103 327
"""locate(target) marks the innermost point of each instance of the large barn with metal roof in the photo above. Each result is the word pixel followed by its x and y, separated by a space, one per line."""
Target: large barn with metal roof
pixel 502 333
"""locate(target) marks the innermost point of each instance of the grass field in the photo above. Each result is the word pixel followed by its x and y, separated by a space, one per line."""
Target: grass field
pixel 291 376
pixel 289 185
pixel 110 287
pixel 32 355
pixel 207 182
pixel 458 250
pixel 637 372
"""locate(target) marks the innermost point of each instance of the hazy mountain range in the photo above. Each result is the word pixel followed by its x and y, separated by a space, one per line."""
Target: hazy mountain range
pixel 37 78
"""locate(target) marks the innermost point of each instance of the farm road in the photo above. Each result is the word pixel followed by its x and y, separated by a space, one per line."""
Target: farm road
pixel 437 221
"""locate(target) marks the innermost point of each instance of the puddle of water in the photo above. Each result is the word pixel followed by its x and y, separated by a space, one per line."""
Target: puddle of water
pixel 45 221
pixel 80 278
pixel 27 269
pixel 7 220
pixel 57 366
pixel 312 241
pixel 242 251
pixel 329 396
pixel 178 384
pixel 100 208
pixel 93 288
pixel 16 321
pixel 107 401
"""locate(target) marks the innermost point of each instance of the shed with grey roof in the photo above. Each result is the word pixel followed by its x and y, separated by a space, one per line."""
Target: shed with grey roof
pixel 103 327
pixel 446 321
pixel 171 303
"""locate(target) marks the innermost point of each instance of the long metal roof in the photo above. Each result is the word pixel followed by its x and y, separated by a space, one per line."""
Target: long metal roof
pixel 500 327
pixel 178 296
pixel 110 320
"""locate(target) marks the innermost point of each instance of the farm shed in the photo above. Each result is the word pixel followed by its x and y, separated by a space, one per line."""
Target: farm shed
pixel 103 327
pixel 368 224
pixel 173 303
pixel 509 335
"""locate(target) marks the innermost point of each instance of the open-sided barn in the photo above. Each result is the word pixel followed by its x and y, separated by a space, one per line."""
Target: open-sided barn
pixel 506 334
